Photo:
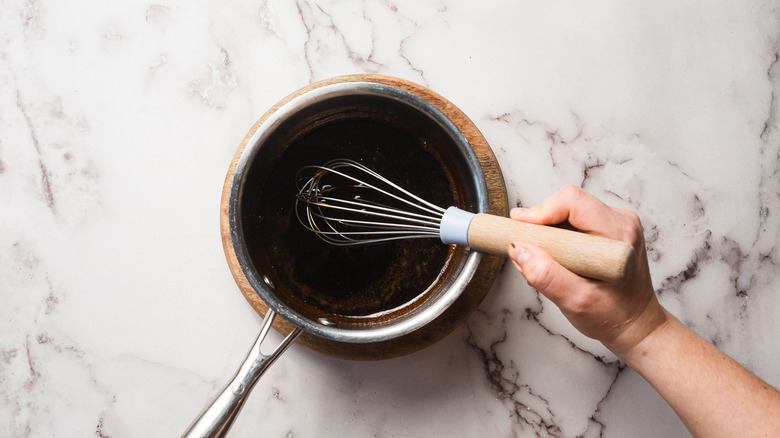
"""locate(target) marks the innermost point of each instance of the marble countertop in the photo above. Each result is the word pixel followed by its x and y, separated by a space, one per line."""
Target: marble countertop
pixel 118 121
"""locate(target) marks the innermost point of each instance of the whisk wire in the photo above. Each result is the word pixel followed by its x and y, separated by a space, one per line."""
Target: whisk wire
pixel 331 167
pixel 371 209
pixel 353 220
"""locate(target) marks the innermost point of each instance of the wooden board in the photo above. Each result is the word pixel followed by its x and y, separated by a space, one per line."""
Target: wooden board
pixel 471 296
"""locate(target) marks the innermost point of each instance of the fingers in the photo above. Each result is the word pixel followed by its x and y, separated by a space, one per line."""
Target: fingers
pixel 542 272
pixel 583 211
pixel 601 310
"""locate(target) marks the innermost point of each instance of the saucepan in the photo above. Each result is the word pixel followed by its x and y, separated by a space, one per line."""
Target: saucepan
pixel 384 302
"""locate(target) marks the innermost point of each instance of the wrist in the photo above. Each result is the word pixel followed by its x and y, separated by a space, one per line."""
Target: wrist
pixel 647 348
pixel 638 334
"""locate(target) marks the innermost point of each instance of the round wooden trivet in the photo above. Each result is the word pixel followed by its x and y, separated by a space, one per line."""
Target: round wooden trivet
pixel 455 314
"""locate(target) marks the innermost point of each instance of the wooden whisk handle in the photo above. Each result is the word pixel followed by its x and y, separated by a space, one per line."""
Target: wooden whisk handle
pixel 584 254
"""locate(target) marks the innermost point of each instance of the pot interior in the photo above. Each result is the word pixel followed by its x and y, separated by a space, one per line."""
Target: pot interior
pixel 352 288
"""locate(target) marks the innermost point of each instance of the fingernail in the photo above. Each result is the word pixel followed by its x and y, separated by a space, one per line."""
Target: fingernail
pixel 518 212
pixel 522 255
pixel 519 254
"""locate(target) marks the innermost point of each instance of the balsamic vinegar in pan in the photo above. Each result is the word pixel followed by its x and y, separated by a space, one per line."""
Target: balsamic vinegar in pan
pixel 350 284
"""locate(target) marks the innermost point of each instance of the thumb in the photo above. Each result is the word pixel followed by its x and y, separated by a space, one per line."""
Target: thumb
pixel 542 272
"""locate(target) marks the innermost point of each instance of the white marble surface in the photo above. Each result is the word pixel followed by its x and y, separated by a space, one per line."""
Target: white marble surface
pixel 118 120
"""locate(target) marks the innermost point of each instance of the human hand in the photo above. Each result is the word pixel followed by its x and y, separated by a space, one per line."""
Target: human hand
pixel 620 315
pixel 713 395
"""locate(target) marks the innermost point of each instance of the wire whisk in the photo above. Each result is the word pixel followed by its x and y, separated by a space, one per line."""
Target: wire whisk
pixel 345 203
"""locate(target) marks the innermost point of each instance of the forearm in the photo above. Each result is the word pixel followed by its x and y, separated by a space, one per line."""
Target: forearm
pixel 712 394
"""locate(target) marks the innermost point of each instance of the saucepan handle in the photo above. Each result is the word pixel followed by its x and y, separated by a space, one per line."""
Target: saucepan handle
pixel 216 419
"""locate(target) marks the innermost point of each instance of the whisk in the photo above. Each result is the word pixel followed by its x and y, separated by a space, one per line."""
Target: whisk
pixel 345 203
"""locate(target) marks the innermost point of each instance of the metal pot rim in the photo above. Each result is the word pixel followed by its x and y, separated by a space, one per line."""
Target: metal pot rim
pixel 264 288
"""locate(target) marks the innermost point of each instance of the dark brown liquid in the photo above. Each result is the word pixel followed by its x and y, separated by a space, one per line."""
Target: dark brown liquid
pixel 349 282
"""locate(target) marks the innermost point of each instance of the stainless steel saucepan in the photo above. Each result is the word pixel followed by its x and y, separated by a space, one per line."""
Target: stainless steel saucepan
pixel 463 151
